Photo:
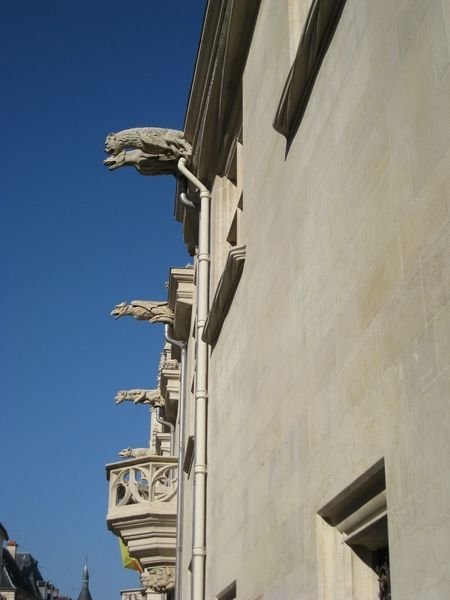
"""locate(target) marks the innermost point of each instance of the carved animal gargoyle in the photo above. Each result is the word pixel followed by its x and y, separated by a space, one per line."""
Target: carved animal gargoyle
pixel 152 397
pixel 135 452
pixel 145 310
pixel 150 150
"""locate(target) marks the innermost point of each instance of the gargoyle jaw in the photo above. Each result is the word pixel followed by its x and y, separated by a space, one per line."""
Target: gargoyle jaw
pixel 112 163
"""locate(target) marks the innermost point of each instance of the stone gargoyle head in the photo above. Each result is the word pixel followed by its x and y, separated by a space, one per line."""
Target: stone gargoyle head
pixel 145 310
pixel 150 150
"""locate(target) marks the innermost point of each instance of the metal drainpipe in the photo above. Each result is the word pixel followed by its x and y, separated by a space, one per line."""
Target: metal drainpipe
pixel 170 426
pixel 180 494
pixel 201 391
pixel 185 200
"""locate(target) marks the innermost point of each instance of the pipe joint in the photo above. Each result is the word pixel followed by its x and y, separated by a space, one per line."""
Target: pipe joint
pixel 203 257
pixel 185 200
pixel 200 469
pixel 171 340
pixel 201 395
pixel 192 178
pixel 199 551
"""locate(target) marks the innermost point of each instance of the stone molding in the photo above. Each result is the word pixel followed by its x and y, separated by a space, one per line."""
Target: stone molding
pixel 223 297
pixel 214 113
pixel 211 122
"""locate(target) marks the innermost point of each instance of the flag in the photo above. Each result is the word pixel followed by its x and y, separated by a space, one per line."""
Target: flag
pixel 127 561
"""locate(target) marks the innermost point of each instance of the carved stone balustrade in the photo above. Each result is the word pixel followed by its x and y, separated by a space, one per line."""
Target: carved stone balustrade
pixel 141 594
pixel 142 508
pixel 134 594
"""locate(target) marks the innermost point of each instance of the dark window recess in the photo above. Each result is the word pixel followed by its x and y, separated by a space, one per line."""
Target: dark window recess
pixel 382 570
pixel 229 593
pixel 189 455
pixel 232 236
pixel 320 26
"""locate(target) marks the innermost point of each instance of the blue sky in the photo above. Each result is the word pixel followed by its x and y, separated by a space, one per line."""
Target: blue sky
pixel 75 240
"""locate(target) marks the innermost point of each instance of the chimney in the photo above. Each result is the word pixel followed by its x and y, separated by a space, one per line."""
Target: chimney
pixel 11 546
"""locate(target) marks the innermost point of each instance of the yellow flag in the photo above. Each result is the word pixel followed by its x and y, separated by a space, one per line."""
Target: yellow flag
pixel 127 561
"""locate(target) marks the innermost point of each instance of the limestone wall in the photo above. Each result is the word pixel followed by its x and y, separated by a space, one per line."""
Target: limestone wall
pixel 335 352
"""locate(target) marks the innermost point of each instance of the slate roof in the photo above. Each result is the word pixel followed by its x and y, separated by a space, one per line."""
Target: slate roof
pixel 30 573
pixel 21 573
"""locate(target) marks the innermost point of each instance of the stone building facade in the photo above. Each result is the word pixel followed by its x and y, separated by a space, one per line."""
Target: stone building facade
pixel 322 130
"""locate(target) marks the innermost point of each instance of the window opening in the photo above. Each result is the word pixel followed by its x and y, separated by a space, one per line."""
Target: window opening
pixel 359 514
pixel 228 593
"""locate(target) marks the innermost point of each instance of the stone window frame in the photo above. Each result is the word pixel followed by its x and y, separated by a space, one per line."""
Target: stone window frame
pixel 359 514
pixel 225 291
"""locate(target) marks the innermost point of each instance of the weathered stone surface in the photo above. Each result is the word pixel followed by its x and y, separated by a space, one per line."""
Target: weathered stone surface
pixel 159 579
pixel 144 310
pixel 335 351
pixel 342 312
pixel 135 452
pixel 139 396
pixel 150 150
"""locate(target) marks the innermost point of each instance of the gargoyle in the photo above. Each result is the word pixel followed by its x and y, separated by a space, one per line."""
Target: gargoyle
pixel 150 150
pixel 135 452
pixel 152 397
pixel 144 310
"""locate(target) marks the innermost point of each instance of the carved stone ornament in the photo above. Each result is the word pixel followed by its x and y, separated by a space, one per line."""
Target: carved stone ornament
pixel 159 579
pixel 144 310
pixel 136 452
pixel 171 364
pixel 150 150
pixel 132 595
pixel 152 397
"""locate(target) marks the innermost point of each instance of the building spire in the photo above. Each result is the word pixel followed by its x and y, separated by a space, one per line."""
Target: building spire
pixel 85 594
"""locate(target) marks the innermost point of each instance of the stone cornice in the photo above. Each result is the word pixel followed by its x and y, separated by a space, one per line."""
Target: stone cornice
pixel 225 42
pixel 223 297
pixel 214 112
